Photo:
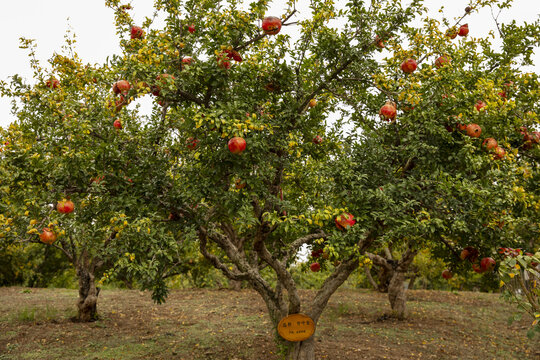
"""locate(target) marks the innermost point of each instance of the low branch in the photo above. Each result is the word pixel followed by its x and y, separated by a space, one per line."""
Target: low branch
pixel 191 97
pixel 338 277
pixel 218 264
pixel 372 281
pixel 379 261
pixel 69 256
pixel 454 251
pixel 280 268
pixel 293 247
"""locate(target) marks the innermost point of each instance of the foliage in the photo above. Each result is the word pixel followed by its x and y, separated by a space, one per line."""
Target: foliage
pixel 520 282
pixel 64 145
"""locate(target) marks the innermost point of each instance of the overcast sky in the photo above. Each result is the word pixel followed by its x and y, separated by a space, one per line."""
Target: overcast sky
pixel 46 21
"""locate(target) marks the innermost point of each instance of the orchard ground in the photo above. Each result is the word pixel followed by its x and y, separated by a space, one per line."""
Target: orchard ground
pixel 222 324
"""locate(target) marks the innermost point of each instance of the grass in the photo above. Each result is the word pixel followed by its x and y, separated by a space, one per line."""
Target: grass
pixel 225 325
pixel 36 314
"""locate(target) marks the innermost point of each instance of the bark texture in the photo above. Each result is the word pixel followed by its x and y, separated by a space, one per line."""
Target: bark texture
pixel 303 350
pixel 397 294
pixel 235 285
pixel 88 295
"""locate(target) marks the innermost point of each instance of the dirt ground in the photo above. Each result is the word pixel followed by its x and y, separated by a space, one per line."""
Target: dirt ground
pixel 227 325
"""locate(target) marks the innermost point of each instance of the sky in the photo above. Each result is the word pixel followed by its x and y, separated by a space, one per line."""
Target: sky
pixel 93 25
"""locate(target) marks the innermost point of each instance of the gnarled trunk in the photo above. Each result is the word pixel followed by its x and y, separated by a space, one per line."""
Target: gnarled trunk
pixel 302 350
pixel 248 267
pixel 235 285
pixel 88 295
pixel 397 295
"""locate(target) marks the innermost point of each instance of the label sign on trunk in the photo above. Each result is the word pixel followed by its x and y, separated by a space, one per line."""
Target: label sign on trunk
pixel 296 327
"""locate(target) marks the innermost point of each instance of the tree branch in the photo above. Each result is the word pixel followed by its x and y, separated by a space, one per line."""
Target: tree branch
pixel 338 277
pixel 284 276
pixel 293 247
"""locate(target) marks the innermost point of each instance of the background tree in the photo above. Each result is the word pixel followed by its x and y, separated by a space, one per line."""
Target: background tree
pixel 425 169
pixel 69 180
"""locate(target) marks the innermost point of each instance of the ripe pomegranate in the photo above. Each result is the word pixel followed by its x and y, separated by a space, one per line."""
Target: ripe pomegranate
pixel 474 130
pixel 271 25
pixel 52 83
pixel 317 140
pixel 316 253
pixel 191 28
pixel 137 32
pixel 192 143
pixel 533 137
pixel 499 153
pixel 378 42
pixel 237 145
pixel 463 30
pixel 447 274
pixel 452 33
pixel 469 253
pixel 478 269
pixel 47 236
pixel 65 206
pixel 162 79
pixel 223 61
pixel 187 60
pixel 388 111
pixel 480 105
pixel 408 66
pixel 487 264
pixel 121 86
pixel 233 54
pixel 117 124
pixel 442 61
pixel 345 221
pixel 312 103
pixel 315 267
pixel 490 143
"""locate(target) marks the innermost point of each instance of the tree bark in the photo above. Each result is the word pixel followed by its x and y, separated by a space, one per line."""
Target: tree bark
pixel 235 285
pixel 302 350
pixel 397 294
pixel 88 295
pixel 372 281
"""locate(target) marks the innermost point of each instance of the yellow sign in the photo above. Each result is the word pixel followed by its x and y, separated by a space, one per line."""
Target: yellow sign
pixel 296 327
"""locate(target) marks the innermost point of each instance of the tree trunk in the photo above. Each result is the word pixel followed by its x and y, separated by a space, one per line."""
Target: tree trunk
pixel 88 295
pixel 303 350
pixel 385 276
pixel 412 279
pixel 397 295
pixel 235 285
